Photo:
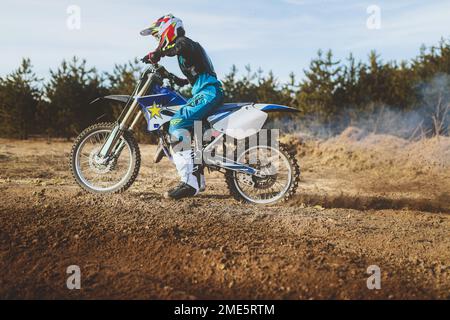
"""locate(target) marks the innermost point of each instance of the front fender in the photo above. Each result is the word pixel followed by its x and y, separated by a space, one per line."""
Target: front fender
pixel 274 108
pixel 117 98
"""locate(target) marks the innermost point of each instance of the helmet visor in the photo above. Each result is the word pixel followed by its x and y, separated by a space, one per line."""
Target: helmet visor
pixel 146 32
pixel 153 30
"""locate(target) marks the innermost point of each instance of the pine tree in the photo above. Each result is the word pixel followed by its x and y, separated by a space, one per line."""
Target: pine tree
pixel 19 97
pixel 316 92
pixel 70 90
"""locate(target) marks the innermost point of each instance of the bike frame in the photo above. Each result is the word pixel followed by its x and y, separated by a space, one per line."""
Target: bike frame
pixel 137 107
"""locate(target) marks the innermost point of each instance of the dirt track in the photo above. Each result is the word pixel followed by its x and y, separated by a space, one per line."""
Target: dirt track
pixel 139 245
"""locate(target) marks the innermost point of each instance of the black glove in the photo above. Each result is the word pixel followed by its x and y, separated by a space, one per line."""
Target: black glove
pixel 152 57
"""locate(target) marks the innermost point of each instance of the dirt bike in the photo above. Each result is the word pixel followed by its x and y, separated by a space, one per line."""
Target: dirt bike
pixel 105 157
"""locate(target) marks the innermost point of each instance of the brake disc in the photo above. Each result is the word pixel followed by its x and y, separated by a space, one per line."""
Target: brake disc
pixel 246 179
pixel 264 183
pixel 266 178
pixel 97 165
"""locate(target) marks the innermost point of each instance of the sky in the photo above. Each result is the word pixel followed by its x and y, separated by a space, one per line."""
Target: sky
pixel 278 35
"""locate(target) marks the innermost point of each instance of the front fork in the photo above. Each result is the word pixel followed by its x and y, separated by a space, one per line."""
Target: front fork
pixel 110 143
pixel 114 145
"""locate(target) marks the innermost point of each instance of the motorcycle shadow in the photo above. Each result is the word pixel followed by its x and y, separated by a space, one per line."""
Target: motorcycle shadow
pixel 213 196
pixel 142 195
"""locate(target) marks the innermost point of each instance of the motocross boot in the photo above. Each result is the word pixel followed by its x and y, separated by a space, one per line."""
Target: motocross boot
pixel 189 174
pixel 183 190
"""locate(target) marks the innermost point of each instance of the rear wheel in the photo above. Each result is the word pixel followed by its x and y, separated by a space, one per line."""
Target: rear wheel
pixel 113 176
pixel 277 180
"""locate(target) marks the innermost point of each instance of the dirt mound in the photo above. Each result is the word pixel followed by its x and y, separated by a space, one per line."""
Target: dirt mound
pixel 390 171
pixel 355 146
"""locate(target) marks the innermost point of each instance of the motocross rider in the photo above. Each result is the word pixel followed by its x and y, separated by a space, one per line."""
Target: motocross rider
pixel 207 94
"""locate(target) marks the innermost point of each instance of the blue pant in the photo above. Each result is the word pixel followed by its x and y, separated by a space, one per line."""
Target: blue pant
pixel 201 105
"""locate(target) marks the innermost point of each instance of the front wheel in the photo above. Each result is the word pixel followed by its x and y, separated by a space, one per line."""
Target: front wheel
pixel 277 178
pixel 114 176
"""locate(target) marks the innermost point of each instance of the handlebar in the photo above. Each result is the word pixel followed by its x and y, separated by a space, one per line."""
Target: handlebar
pixel 162 71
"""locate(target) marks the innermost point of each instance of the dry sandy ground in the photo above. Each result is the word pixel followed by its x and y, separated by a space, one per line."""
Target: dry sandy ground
pixel 363 200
